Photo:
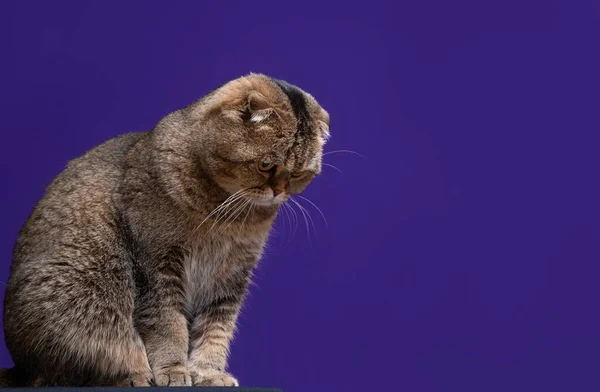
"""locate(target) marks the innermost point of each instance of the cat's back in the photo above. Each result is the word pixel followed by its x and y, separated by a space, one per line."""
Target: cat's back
pixel 79 200
pixel 103 163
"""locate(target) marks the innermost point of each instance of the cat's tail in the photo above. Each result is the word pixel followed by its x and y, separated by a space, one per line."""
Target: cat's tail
pixel 10 378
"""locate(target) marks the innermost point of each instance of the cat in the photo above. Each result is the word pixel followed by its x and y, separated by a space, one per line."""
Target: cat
pixel 132 268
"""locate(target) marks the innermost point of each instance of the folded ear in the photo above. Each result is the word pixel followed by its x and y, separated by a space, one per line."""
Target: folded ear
pixel 257 109
pixel 324 125
pixel 251 107
pixel 325 135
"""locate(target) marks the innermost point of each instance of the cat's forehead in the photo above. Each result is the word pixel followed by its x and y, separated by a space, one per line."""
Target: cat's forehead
pixel 299 105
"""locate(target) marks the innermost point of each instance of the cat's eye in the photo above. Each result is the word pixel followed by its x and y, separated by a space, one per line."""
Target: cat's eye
pixel 297 175
pixel 265 165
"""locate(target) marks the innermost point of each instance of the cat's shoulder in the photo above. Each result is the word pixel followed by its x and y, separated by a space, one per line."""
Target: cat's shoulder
pixel 112 152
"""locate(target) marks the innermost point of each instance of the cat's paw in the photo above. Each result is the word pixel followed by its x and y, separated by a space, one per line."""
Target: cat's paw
pixel 174 376
pixel 213 379
pixel 136 380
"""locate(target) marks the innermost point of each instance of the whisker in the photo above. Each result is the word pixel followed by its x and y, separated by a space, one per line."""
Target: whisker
pixel 285 218
pixel 224 213
pixel 293 220
pixel 330 165
pixel 231 201
pixel 233 197
pixel 343 151
pixel 312 222
pixel 249 205
pixel 234 215
pixel 314 205
pixel 302 211
pixel 295 216
pixel 248 213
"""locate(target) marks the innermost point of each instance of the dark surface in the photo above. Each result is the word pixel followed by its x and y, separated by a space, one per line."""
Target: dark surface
pixel 462 253
pixel 164 389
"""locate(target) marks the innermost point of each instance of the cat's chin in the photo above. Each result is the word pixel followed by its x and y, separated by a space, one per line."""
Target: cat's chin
pixel 266 203
pixel 270 201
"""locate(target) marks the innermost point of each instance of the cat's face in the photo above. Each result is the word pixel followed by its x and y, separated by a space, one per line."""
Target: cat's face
pixel 266 139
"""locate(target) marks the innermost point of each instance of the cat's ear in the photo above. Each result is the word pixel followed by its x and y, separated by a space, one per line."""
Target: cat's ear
pixel 324 126
pixel 257 109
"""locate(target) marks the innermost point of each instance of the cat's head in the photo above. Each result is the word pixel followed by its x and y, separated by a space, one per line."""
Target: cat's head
pixel 261 137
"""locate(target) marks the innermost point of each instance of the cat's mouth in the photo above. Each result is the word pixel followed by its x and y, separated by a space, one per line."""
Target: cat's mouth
pixel 267 197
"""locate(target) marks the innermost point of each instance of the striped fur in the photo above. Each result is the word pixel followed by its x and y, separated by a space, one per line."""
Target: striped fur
pixel 132 269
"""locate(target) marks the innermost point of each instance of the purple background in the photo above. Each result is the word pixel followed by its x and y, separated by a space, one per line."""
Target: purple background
pixel 462 251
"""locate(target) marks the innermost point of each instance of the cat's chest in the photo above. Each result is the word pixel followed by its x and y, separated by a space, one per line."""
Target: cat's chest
pixel 209 270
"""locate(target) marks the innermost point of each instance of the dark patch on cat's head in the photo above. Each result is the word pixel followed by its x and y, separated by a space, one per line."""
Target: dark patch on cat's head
pixel 298 102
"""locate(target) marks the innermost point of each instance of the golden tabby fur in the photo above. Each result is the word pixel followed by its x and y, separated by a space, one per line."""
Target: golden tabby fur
pixel 132 268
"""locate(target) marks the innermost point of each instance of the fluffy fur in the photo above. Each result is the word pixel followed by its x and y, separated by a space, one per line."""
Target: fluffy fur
pixel 132 268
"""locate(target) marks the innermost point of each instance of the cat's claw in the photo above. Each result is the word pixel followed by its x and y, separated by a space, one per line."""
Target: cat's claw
pixel 174 376
pixel 214 380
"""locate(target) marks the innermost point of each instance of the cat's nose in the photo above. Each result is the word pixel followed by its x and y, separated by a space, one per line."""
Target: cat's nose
pixel 277 191
pixel 279 181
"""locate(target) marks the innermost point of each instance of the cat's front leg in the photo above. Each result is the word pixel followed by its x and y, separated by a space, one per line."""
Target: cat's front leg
pixel 166 344
pixel 162 325
pixel 211 334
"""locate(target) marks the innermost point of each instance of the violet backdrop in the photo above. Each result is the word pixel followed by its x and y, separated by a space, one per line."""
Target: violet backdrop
pixel 462 251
